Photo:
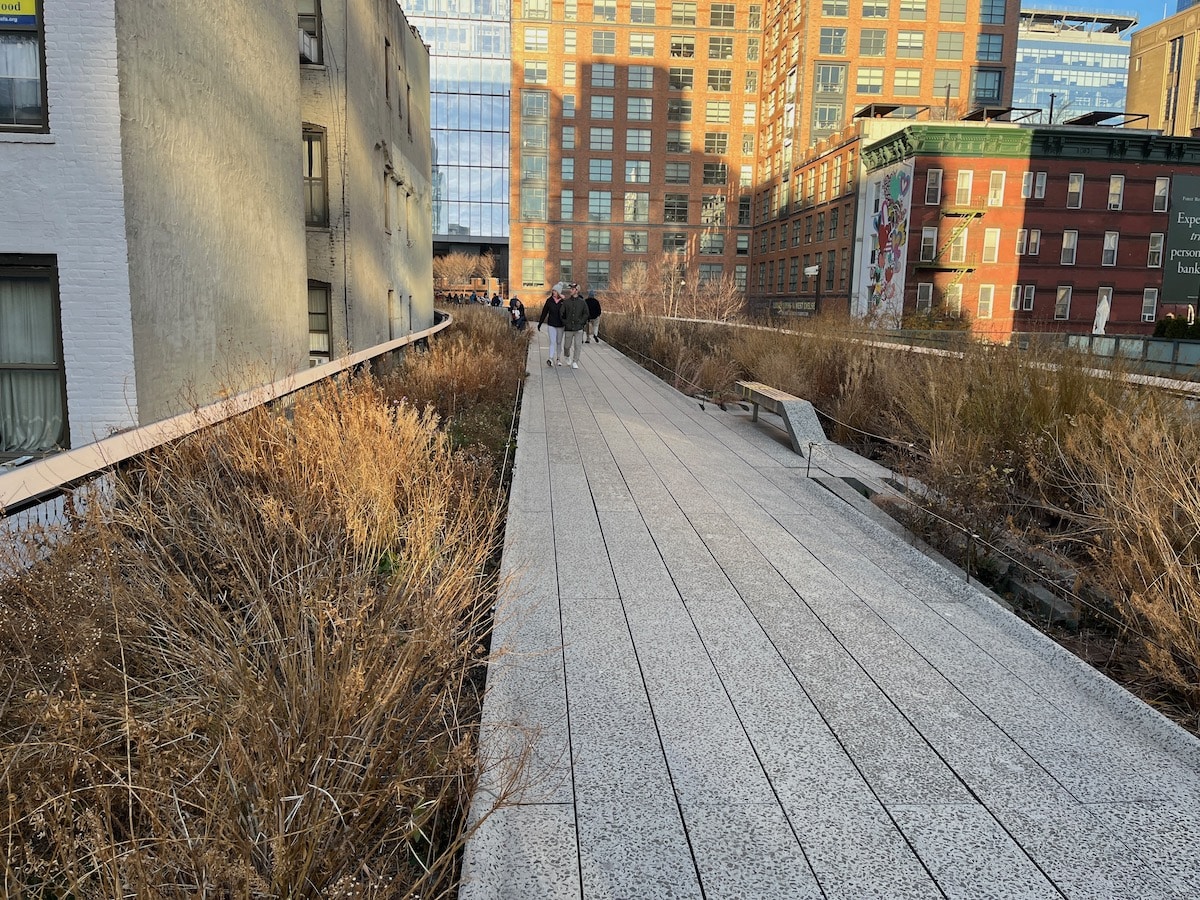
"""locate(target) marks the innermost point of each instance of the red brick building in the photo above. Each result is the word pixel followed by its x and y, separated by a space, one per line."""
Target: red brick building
pixel 1025 229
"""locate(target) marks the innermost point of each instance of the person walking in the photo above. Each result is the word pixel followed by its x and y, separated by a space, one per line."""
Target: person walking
pixel 516 311
pixel 593 322
pixel 575 319
pixel 552 317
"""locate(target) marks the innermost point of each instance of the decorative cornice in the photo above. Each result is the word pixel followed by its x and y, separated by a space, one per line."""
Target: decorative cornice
pixel 1061 142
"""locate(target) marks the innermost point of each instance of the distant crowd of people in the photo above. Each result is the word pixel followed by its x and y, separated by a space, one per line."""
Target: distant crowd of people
pixel 462 298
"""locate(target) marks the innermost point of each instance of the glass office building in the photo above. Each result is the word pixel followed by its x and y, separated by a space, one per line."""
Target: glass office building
pixel 470 79
pixel 1071 62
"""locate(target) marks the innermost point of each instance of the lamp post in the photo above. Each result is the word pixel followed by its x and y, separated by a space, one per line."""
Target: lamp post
pixel 815 271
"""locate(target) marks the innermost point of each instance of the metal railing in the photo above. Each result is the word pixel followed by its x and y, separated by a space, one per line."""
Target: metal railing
pixel 38 491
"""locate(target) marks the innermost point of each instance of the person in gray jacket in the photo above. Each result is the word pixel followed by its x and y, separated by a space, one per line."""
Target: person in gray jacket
pixel 574 318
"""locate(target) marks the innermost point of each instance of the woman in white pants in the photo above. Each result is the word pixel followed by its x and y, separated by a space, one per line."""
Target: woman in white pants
pixel 552 316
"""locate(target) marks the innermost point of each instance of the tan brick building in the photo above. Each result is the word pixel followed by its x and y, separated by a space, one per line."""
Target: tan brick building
pixel 1163 73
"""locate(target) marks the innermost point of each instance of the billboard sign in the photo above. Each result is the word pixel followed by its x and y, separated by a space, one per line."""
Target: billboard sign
pixel 1181 272
pixel 18 12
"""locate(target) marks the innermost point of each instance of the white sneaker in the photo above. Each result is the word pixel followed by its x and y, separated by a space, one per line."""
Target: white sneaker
pixel 559 363
pixel 574 365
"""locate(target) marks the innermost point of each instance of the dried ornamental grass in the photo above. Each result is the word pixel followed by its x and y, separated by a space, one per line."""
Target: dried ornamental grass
pixel 252 673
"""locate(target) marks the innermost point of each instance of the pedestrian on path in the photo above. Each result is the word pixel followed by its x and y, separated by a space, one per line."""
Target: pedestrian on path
pixel 552 317
pixel 575 320
pixel 593 322
pixel 516 311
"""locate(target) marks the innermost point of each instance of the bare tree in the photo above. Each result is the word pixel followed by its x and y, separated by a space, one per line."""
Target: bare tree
pixel 485 267
pixel 718 298
pixel 454 270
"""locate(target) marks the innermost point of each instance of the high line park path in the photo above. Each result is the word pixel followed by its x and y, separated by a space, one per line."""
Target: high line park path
pixel 741 685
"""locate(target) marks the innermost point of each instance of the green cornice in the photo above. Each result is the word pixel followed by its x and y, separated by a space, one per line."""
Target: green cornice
pixel 1062 142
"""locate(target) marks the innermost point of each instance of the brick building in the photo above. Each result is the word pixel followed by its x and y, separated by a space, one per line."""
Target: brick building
pixel 1164 68
pixel 1026 229
pixel 160 242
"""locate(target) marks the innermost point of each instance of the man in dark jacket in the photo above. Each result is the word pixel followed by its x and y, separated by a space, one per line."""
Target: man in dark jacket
pixel 552 317
pixel 593 323
pixel 575 317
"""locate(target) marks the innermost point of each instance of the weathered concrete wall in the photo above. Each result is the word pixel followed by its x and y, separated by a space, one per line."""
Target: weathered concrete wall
pixel 379 266
pixel 214 209
pixel 62 194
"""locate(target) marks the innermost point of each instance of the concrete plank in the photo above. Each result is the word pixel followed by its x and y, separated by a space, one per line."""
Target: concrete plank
pixel 522 852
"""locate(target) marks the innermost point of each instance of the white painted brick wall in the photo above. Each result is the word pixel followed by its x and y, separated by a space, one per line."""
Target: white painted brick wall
pixel 62 194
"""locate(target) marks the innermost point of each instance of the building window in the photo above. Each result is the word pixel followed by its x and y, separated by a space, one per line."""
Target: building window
pixel 1069 241
pixel 637 206
pixel 683 46
pixel 536 9
pixel 678 141
pixel 929 238
pixel 604 43
pixel 870 80
pixel 910 45
pixel 827 116
pixel 1075 190
pixel 641 12
pixel 679 111
pixel 720 48
pixel 537 40
pixel 987 294
pixel 641 45
pixel 33 410
pixel 992 12
pixel 675 208
pixel 604 75
pixel 318 323
pixel 716 173
pixel 924 296
pixel 949 45
pixel 680 79
pixel 752 49
pixel 599 206
pixel 533 238
pixel 1111 240
pixel 1062 302
pixel 600 170
pixel 678 173
pixel 683 12
pixel 716 111
pixel 953 11
pixel 533 272
pixel 958 245
pixel 309 20
pixel 568 106
pixel 952 299
pixel 1116 191
pixel 831 79
pixel 710 273
pixel 720 79
pixel 743 245
pixel 636 241
pixel 749 113
pixel 946 83
pixel 712 243
pixel 712 209
pixel 752 82
pixel 566 240
pixel 875 9
pixel 1039 186
pixel 566 205
pixel 641 78
pixel 597 274
pixel 990 48
pixel 639 109
pixel 535 104
pixel 872 42
pixel 907 82
pixel 568 137
pixel 996 189
pixel 536 72
pixel 835 9
pixel 987 85
pixel 1162 189
pixel 912 10
pixel 534 167
pixel 1022 241
pixel 991 244
pixel 743 211
pixel 604 10
pixel 533 203
pixel 316 195
pixel 599 240
pixel 570 43
pixel 565 268
pixel 600 139
pixel 833 42
pixel 637 140
pixel 674 242
pixel 1154 258
pixel 1149 304
pixel 721 15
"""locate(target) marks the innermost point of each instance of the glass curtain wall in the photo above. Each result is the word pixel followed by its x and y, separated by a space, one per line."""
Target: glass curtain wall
pixel 470 80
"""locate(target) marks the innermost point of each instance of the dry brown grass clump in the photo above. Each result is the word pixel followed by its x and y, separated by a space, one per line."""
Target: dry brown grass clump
pixel 250 671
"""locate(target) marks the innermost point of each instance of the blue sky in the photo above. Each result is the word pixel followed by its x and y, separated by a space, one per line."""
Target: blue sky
pixel 1148 11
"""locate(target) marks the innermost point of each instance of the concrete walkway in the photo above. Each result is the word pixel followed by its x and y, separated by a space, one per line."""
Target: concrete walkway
pixel 738 684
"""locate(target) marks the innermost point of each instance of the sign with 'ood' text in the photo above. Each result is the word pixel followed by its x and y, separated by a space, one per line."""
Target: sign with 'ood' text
pixel 1181 271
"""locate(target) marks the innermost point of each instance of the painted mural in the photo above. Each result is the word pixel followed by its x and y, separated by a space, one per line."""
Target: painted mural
pixel 886 264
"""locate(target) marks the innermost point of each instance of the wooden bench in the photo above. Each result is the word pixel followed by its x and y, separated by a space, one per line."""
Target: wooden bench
pixel 798 415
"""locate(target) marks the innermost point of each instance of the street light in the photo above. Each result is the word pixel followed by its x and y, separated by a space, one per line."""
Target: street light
pixel 815 270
